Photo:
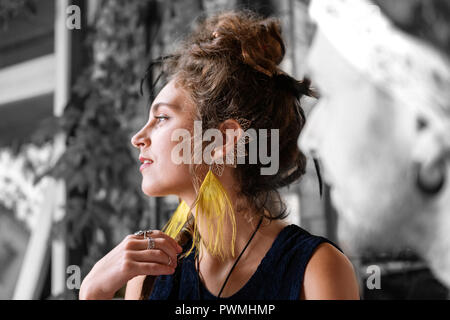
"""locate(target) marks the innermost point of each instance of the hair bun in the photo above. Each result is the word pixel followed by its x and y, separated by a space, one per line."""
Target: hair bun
pixel 259 39
pixel 265 50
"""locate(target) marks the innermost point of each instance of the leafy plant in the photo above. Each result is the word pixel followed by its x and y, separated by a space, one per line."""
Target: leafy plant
pixel 104 199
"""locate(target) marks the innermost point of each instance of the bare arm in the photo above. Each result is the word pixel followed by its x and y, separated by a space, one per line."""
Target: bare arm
pixel 329 275
pixel 128 263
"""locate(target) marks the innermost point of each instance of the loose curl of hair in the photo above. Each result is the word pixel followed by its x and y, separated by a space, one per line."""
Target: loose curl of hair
pixel 230 67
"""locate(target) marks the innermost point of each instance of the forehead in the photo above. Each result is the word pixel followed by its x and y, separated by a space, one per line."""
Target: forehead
pixel 347 90
pixel 327 67
pixel 173 93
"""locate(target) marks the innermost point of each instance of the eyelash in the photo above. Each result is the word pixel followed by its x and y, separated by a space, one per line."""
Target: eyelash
pixel 161 117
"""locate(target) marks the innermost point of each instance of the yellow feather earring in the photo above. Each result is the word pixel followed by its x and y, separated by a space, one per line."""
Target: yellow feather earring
pixel 213 207
pixel 178 219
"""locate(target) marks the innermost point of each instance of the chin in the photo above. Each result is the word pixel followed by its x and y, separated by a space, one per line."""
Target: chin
pixel 153 189
pixel 368 232
pixel 360 229
pixel 355 238
pixel 439 267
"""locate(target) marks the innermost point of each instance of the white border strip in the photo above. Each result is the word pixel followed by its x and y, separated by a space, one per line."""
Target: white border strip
pixel 63 64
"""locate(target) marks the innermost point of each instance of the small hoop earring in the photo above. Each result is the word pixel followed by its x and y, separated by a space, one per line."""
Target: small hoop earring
pixel 426 188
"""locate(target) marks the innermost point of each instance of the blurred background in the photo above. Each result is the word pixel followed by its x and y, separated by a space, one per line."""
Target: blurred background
pixel 70 73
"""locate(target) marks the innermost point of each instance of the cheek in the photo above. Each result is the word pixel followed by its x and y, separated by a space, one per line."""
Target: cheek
pixel 362 134
pixel 364 149
pixel 380 180
pixel 347 140
pixel 164 177
pixel 368 149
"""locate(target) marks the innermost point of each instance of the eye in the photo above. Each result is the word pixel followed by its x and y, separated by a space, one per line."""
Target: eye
pixel 160 119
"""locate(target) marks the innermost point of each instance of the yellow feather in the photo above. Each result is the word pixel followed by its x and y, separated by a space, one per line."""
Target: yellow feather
pixel 215 206
pixel 178 219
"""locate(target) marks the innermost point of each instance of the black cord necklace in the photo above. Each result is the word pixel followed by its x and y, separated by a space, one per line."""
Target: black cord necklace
pixel 232 268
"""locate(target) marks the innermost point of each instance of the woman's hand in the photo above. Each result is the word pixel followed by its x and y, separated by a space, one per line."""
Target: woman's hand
pixel 129 259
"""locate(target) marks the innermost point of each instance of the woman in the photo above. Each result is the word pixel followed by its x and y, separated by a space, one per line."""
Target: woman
pixel 234 242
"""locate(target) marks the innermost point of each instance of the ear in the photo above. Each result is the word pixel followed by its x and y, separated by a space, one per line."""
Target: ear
pixel 430 150
pixel 232 132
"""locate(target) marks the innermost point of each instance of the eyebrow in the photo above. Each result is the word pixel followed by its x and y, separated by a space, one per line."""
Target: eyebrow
pixel 156 106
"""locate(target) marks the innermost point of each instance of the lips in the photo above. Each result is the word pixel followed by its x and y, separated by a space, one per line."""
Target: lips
pixel 146 162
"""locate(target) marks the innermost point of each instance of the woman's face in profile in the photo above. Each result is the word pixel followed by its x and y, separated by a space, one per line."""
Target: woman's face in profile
pixel 170 110
pixel 364 142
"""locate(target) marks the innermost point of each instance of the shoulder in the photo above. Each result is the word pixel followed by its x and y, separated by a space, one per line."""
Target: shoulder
pixel 329 275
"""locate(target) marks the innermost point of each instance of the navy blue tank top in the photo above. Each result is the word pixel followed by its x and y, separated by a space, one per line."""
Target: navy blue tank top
pixel 279 276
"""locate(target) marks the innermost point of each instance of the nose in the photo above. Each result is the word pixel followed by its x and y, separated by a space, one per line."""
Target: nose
pixel 141 139
pixel 311 137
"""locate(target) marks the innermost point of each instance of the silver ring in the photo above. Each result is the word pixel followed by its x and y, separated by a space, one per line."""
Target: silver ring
pixel 139 233
pixel 151 243
pixel 170 261
pixel 147 232
pixel 143 233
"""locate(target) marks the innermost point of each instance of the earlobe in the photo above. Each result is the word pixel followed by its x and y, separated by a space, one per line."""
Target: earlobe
pixel 429 159
pixel 430 181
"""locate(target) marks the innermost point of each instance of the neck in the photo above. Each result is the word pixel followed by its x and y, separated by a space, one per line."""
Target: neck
pixel 245 228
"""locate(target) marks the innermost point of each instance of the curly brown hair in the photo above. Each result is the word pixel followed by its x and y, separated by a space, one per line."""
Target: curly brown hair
pixel 230 67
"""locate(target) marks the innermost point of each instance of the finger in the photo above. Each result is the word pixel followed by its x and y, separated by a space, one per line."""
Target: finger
pixel 154 255
pixel 160 243
pixel 154 269
pixel 158 233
